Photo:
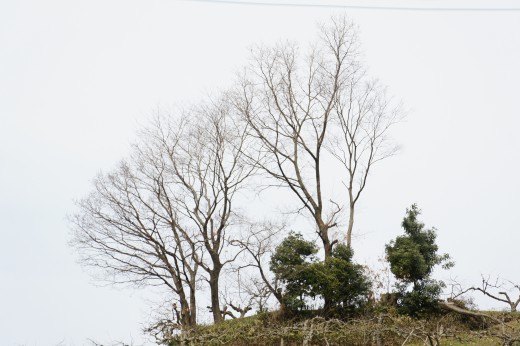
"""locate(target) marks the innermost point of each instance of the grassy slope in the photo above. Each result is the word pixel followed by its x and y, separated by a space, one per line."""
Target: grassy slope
pixel 269 329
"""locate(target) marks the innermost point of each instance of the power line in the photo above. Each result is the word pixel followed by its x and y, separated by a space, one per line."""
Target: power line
pixel 361 7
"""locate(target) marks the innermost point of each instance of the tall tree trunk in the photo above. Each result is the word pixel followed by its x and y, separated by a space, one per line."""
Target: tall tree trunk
pixel 327 248
pixel 327 245
pixel 186 316
pixel 214 288
pixel 324 235
pixel 187 311
pixel 193 306
pixel 350 226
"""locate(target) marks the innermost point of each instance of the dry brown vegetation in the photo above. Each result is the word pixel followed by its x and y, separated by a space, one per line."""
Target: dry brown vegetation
pixel 372 329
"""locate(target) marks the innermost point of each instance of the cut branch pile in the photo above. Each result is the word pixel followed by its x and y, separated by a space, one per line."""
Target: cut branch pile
pixel 382 329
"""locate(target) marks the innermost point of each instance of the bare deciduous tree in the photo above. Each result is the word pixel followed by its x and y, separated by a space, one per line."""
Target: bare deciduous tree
pixel 497 289
pixel 258 245
pixel 118 228
pixel 208 169
pixel 169 212
pixel 302 108
pixel 365 115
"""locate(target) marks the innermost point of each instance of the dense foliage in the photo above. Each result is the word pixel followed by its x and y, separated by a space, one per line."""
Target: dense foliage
pixel 412 258
pixel 339 282
pixel 291 264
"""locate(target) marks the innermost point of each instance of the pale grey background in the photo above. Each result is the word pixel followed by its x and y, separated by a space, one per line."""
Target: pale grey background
pixel 78 77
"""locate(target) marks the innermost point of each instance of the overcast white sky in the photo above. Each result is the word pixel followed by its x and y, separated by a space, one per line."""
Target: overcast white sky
pixel 78 77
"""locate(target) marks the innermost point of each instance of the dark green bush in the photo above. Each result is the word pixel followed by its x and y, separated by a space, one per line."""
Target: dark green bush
pixel 290 264
pixel 422 300
pixel 341 283
pixel 412 258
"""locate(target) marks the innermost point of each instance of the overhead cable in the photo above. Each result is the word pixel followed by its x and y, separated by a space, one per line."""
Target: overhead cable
pixel 362 7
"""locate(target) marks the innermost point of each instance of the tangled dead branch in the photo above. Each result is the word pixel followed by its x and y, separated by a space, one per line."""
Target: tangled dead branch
pixel 381 329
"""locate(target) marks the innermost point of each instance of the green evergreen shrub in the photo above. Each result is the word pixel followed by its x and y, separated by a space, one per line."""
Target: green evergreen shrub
pixel 341 283
pixel 412 258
